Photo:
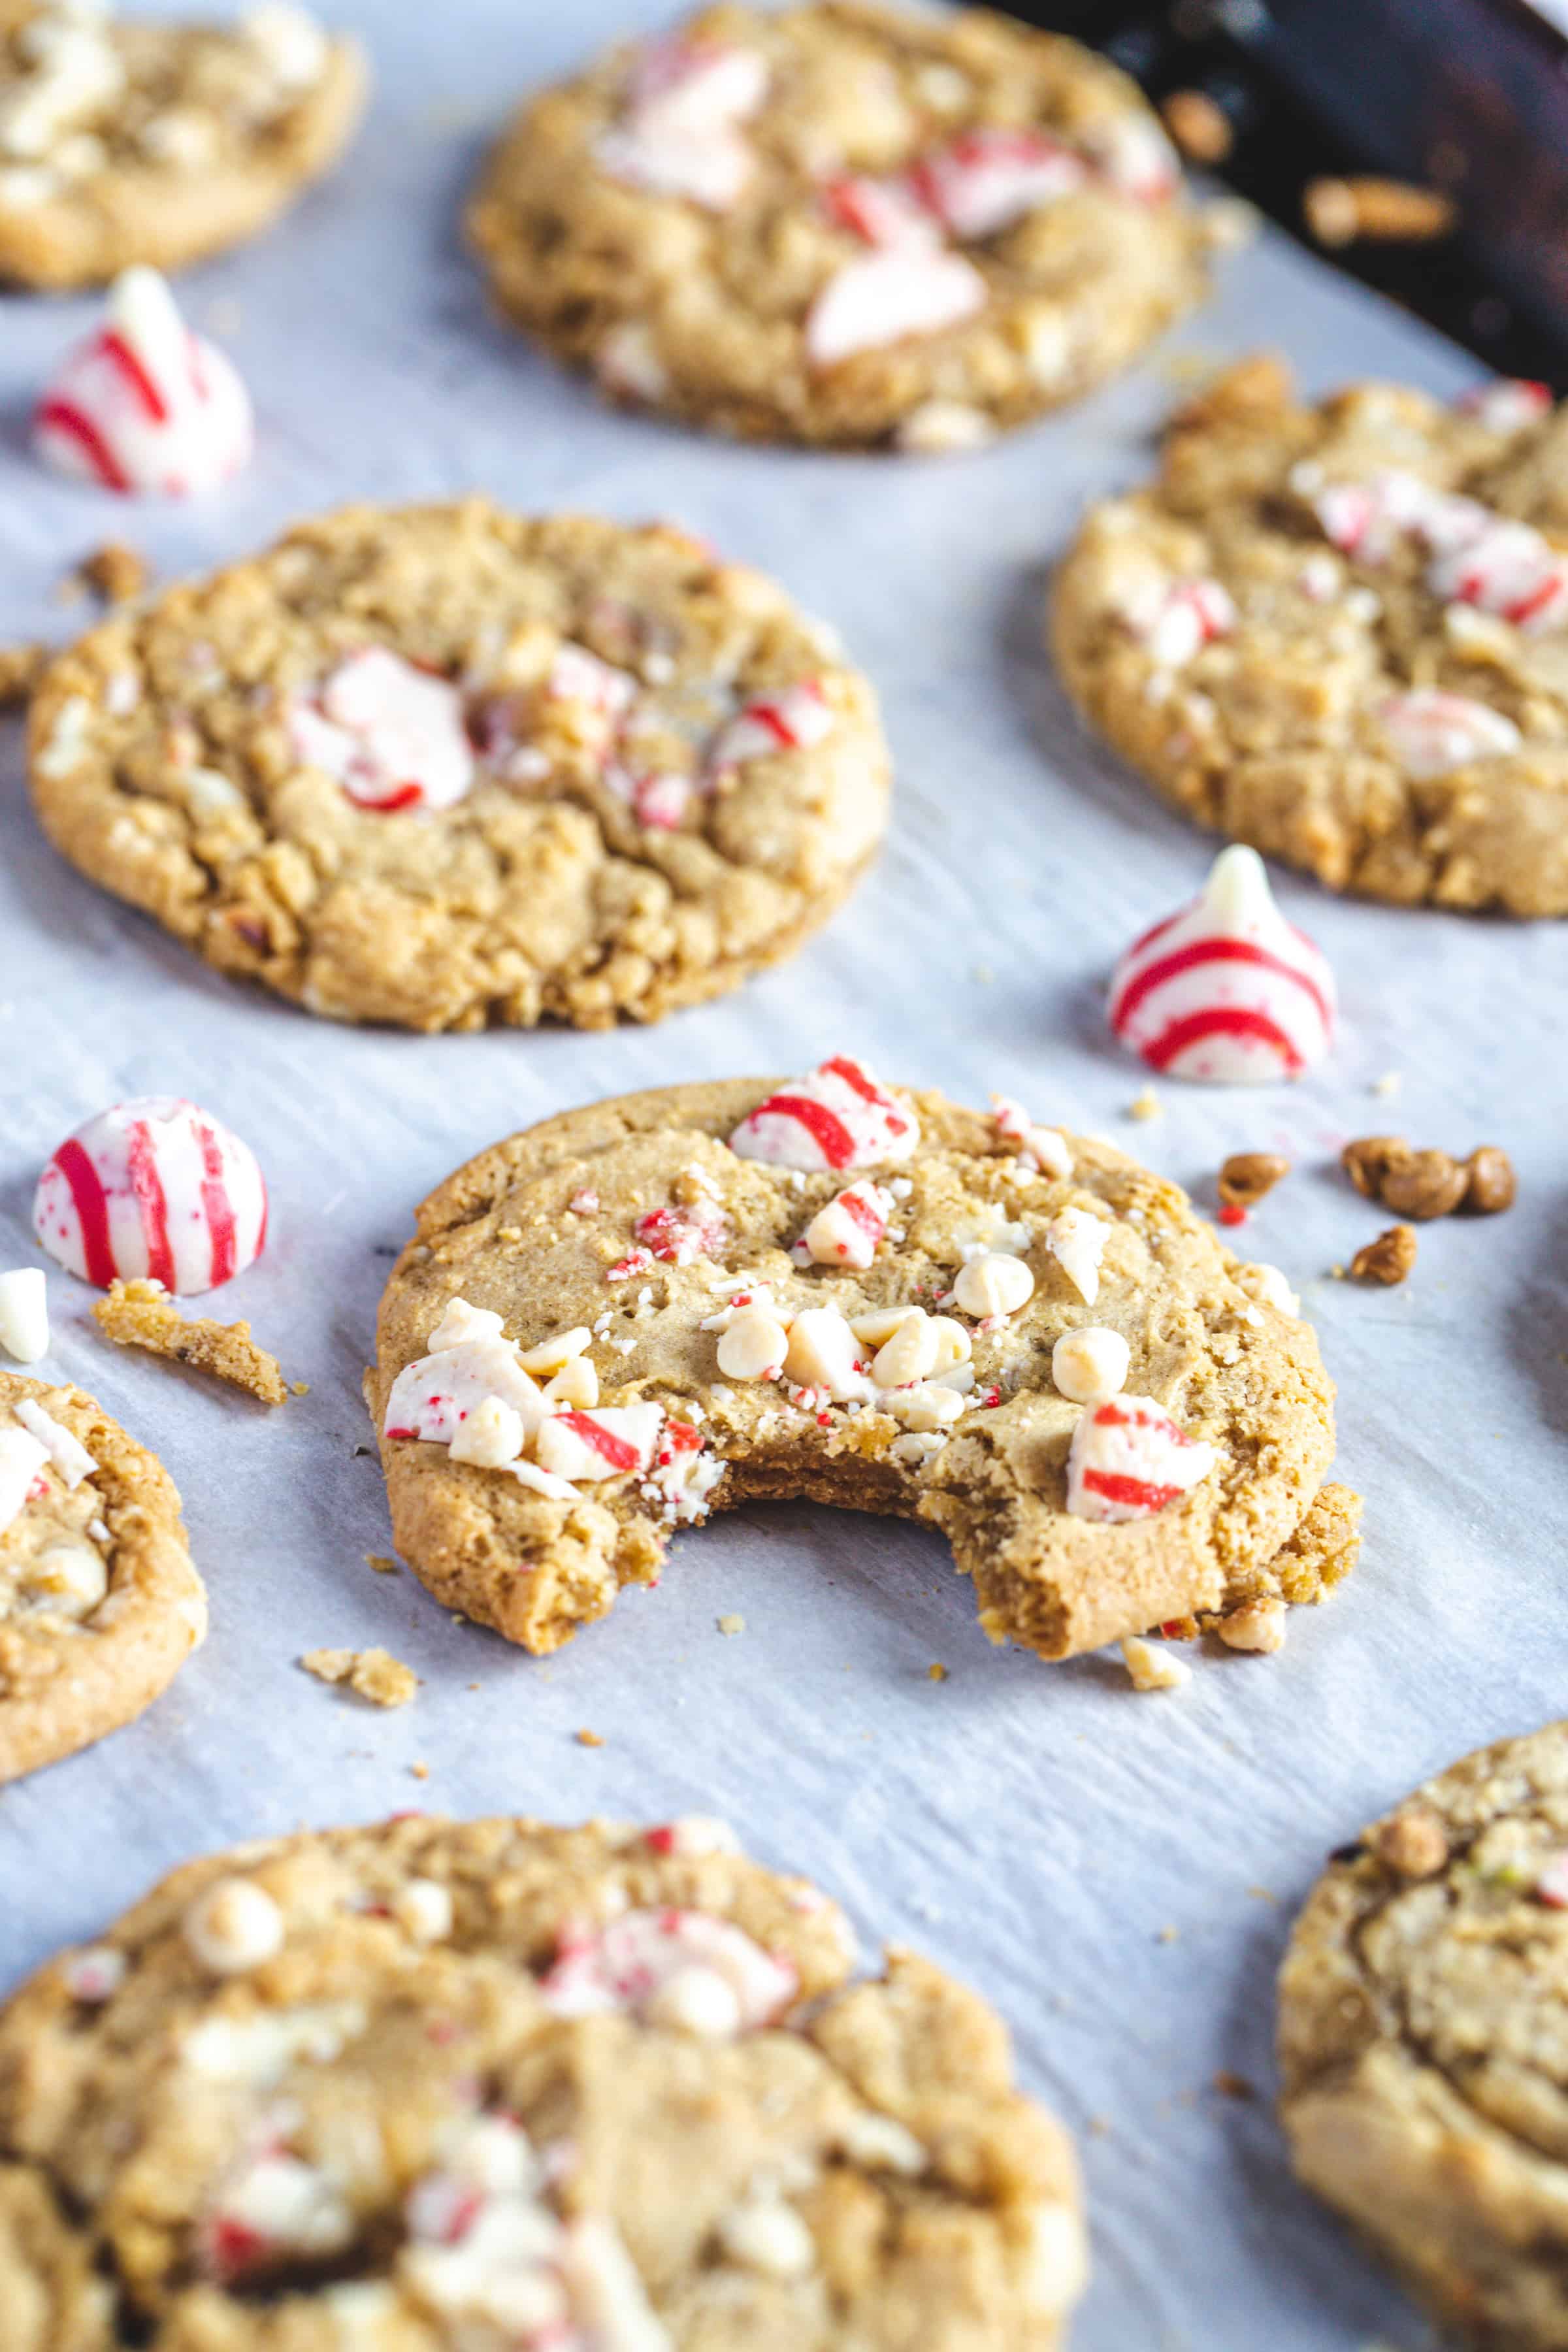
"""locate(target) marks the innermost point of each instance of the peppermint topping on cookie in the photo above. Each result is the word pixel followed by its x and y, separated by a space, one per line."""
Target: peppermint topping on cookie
pixel 683 1231
pixel 988 178
pixel 836 1118
pixel 1040 1150
pixel 1128 1459
pixel 152 1190
pixel 24 1314
pixel 1075 1239
pixel 1430 732
pixel 793 719
pixel 22 1457
pixel 432 1397
pixel 678 136
pixel 678 1969
pixel 847 1231
pixel 1476 556
pixel 392 735
pixel 69 1454
pixel 1175 620
pixel 145 406
pixel 903 291
pixel 1506 405
pixel 606 1443
pixel 1225 990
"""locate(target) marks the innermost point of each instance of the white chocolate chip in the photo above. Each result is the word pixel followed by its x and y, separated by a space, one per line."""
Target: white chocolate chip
pixel 69 1577
pixel 1059 2262
pixel 24 1314
pixel 1090 1365
pixel 995 1283
pixel 880 2143
pixel 1256 1625
pixel 765 2234
pixel 823 1353
pixel 1152 1666
pixel 954 1345
pixel 491 1436
pixel 461 1323
pixel 577 1383
pixel 235 1926
pixel 695 2000
pixel 1267 1284
pixel 423 1909
pixel 938 427
pixel 289 40
pixel 754 1346
pixel 909 1353
pixel 1077 1239
pixel 69 1454
pixel 554 1355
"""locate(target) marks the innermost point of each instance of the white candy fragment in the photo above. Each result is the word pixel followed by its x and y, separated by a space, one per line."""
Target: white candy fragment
pixel 1129 1460
pixel 21 1460
pixel 1431 732
pixel 1075 1239
pixel 1043 1148
pixel 460 1322
pixel 491 1437
pixel 24 1314
pixel 606 1443
pixel 889 296
pixel 838 1117
pixel 997 1283
pixel 679 135
pixel 1173 620
pixel 847 1230
pixel 1090 1365
pixel 433 1397
pixel 145 406
pixel 392 735
pixel 69 1454
pixel 234 1927
pixel 1152 1666
pixel 794 718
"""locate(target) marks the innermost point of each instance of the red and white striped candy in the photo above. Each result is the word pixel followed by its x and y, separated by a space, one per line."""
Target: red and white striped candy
pixel 1476 557
pixel 1226 991
pixel 1431 732
pixel 837 1117
pixel 392 735
pixel 684 1230
pixel 1177 620
pixel 145 406
pixel 847 1230
pixel 1136 157
pixel 904 290
pixel 987 179
pixel 1128 1459
pixel 1506 405
pixel 152 1190
pixel 1552 1884
pixel 22 1459
pixel 793 718
pixel 659 799
pixel 678 137
pixel 578 676
pixel 884 212
pixel 629 1962
pixel 433 1397
pixel 608 1442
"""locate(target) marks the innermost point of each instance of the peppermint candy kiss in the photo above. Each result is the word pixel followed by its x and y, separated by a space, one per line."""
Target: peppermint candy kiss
pixel 1226 991
pixel 153 1189
pixel 144 406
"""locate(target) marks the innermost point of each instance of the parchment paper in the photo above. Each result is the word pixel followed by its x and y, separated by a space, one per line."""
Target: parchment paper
pixel 1117 1872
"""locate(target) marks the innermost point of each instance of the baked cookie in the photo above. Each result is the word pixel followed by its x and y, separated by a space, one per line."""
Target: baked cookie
pixel 661 1307
pixel 139 142
pixel 1340 634
pixel 485 2084
pixel 1423 2041
pixel 841 222
pixel 100 1605
pixel 445 765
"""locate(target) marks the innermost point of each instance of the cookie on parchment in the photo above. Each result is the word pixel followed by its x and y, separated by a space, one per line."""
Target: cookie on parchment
pixel 635 1314
pixel 1423 2042
pixel 432 2083
pixel 138 140
pixel 99 1604
pixel 443 766
pixel 842 223
pixel 1340 634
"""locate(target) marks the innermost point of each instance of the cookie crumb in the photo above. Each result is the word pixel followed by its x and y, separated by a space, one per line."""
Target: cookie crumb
pixel 374 1674
pixel 1234 2086
pixel 382 1565
pixel 1388 1259
pixel 300 1388
pixel 588 1739
pixel 21 667
pixel 1146 1105
pixel 1389 1084
pixel 1247 1176
pixel 420 1772
pixel 1200 126
pixel 141 1315
pixel 115 572
pixel 1152 1669
pixel 732 1624
pixel 936 1672
pixel 1413 1843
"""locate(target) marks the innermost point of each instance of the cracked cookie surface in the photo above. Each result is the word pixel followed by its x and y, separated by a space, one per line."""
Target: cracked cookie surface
pixel 842 223
pixel 141 141
pixel 1423 2041
pixel 441 766
pixel 430 2083
pixel 617 1245
pixel 1340 634
pixel 99 1603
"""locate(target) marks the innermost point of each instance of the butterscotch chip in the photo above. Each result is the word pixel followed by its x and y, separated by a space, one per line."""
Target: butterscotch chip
pixel 1341 212
pixel 1247 1176
pixel 99 1603
pixel 141 1315
pixel 1490 1183
pixel 135 140
pixel 1388 1259
pixel 1368 1160
pixel 343 2103
pixel 374 1675
pixel 1413 1842
pixel 116 572
pixel 1200 127
pixel 1425 1184
pixel 21 667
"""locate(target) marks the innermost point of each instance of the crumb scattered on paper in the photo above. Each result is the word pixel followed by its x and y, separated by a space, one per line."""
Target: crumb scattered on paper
pixel 936 1672
pixel 382 1565
pixel 589 1739
pixel 731 1623
pixel 374 1674
pixel 1145 1106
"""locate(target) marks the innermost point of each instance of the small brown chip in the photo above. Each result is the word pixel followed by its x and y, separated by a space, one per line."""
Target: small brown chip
pixel 1200 127
pixel 21 667
pixel 374 1674
pixel 1245 1176
pixel 1413 1843
pixel 589 1739
pixel 1490 1183
pixel 1234 2086
pixel 937 1672
pixel 116 572
pixel 1388 1259
pixel 1393 212
pixel 1368 1160
pixel 1427 1184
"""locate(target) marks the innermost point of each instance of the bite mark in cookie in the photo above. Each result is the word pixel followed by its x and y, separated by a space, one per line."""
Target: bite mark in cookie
pixel 443 766
pixel 1113 1421
pixel 841 223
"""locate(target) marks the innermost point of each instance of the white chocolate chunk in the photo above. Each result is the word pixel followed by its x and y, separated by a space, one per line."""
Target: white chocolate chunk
pixel 754 1345
pixel 1090 1365
pixel 909 1353
pixel 462 1322
pixel 491 1437
pixel 1258 1625
pixel 234 1927
pixel 423 1909
pixel 24 1314
pixel 1075 1239
pixel 995 1283
pixel 823 1353
pixel 764 2235
pixel 1152 1666
pixel 553 1355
